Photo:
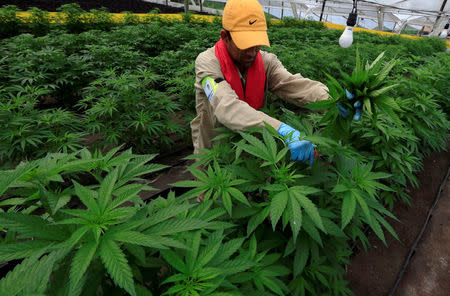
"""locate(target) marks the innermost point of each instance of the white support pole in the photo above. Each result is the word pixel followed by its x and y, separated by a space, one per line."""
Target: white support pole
pixel 399 26
pixel 308 12
pixel 439 25
pixel 441 21
pixel 294 10
pixel 380 15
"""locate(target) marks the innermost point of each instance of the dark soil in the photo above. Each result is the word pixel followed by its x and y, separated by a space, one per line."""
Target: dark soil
pixel 115 6
pixel 375 272
pixel 428 273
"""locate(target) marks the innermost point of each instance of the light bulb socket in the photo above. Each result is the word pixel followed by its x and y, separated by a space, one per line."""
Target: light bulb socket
pixel 351 20
pixel 446 26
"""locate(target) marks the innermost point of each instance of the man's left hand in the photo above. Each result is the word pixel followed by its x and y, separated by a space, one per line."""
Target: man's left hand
pixel 357 106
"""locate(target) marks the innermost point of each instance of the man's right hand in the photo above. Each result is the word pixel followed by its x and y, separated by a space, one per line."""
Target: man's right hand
pixel 301 150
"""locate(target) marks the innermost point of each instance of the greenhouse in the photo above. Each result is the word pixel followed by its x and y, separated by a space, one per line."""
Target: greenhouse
pixel 225 147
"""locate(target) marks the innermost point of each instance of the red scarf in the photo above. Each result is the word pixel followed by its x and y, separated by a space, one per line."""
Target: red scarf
pixel 256 77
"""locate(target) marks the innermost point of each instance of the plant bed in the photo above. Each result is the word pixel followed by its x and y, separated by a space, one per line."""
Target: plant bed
pixel 375 271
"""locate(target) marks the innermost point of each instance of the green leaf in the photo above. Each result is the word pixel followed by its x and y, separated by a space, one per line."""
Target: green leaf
pixel 227 202
pixel 377 229
pixel 166 213
pixel 87 197
pixel 339 188
pixel 270 144
pixel 142 291
pixel 310 209
pixel 137 167
pixel 74 238
pixel 106 189
pixel 192 253
pixel 117 265
pixel 174 260
pixel 305 190
pixel 309 228
pixel 386 225
pixel 277 206
pixel 117 214
pixel 296 216
pixel 137 238
pixel 21 250
pixel 301 256
pixel 49 200
pixel 207 254
pixel 8 177
pixel 17 279
pixel 169 242
pixel 238 195
pixel 274 285
pixel 348 208
pixel 227 249
pixel 362 203
pixel 320 105
pixel 256 220
pixel 39 276
pixel 208 273
pixel 257 148
pixel 381 75
pixel 332 228
pixel 368 106
pixel 179 277
pixel 136 251
pixel 31 226
pixel 130 191
pixel 386 105
pixel 236 265
pixel 375 62
pixel 80 263
pixel 177 225
pixel 174 289
pixel 381 91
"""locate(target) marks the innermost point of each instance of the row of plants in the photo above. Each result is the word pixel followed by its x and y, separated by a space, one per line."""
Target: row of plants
pixel 73 19
pixel 63 91
pixel 284 229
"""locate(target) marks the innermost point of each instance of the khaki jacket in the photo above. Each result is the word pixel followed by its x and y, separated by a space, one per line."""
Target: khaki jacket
pixel 225 108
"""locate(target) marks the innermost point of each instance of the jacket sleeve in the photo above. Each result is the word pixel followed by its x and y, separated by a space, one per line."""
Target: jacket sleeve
pixel 226 106
pixel 294 88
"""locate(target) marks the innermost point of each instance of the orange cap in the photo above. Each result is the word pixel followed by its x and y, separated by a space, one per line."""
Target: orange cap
pixel 246 22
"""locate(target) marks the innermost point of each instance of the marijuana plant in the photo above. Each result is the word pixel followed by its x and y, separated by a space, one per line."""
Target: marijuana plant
pixel 110 220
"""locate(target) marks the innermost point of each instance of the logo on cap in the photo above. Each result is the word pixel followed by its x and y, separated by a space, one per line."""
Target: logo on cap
pixel 251 23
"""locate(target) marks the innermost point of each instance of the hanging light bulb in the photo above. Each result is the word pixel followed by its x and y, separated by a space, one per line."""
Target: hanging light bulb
pixel 444 33
pixel 346 38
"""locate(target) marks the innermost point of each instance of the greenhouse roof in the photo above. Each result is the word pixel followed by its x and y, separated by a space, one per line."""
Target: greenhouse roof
pixel 433 14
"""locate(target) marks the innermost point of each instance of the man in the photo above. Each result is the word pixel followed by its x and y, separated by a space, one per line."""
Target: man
pixel 233 76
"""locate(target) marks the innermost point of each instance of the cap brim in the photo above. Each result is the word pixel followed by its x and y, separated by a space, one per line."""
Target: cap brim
pixel 247 39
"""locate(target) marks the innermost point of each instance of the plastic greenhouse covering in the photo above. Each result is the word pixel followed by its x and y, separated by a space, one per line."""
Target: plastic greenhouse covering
pixel 372 14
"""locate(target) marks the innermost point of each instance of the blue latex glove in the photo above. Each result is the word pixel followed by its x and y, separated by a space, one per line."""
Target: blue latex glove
pixel 357 107
pixel 301 150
